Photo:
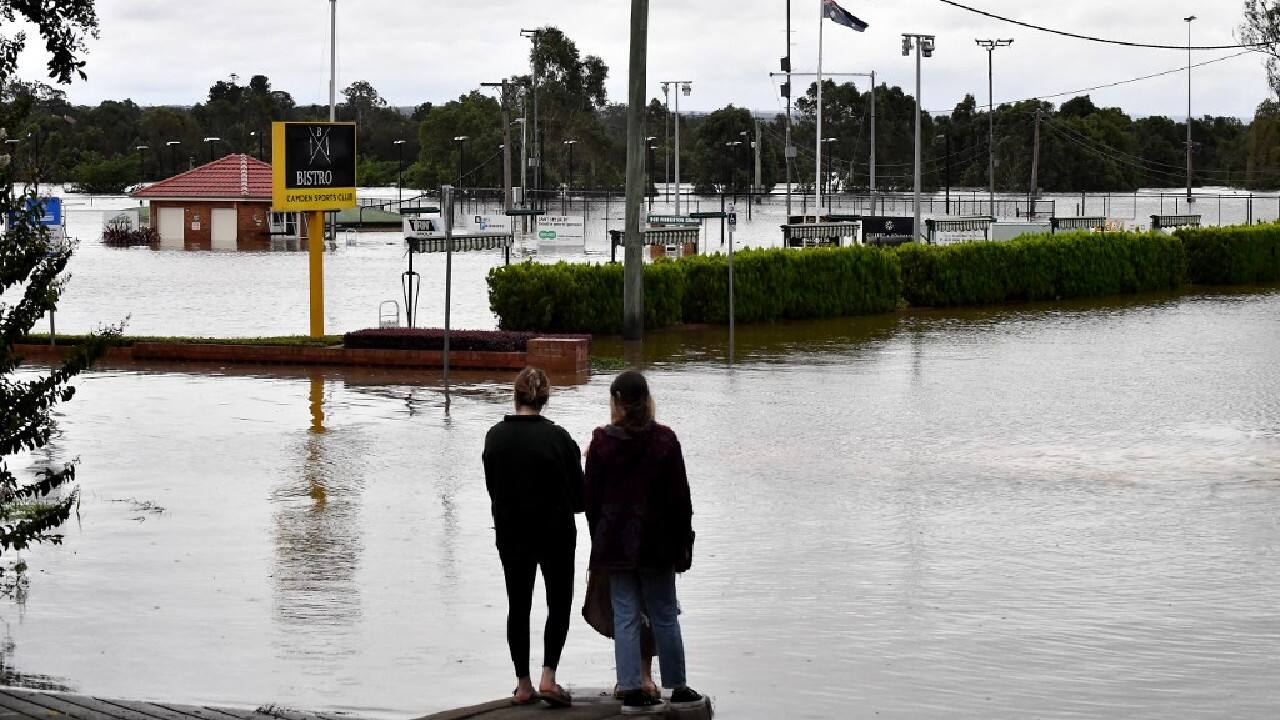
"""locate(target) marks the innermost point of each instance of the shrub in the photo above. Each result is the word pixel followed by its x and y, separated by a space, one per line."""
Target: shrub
pixel 1232 255
pixel 433 339
pixel 791 284
pixel 1040 267
pixel 573 297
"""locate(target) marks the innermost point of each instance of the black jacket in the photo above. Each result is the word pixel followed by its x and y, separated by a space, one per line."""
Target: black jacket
pixel 533 470
pixel 638 504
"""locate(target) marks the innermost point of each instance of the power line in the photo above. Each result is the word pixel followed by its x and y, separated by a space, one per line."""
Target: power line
pixel 1092 38
pixel 1118 83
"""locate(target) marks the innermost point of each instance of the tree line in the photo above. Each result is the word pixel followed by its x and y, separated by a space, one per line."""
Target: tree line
pixel 1082 147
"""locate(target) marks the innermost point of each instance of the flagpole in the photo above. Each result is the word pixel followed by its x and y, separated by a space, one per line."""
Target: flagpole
pixel 817 141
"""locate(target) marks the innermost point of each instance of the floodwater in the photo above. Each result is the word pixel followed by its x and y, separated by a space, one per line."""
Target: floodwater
pixel 1058 511
pixel 250 294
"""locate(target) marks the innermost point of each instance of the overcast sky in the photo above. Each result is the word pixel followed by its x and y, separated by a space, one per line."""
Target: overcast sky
pixel 167 52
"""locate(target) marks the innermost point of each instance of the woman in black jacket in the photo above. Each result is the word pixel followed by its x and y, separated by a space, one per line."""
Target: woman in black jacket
pixel 640 514
pixel 533 470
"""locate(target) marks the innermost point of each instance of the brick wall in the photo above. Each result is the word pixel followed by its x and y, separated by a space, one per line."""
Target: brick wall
pixel 252 222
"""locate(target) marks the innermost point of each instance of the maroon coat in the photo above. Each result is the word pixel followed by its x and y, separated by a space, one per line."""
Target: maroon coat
pixel 637 500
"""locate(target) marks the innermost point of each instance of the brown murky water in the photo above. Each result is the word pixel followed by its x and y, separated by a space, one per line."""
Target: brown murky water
pixel 1065 511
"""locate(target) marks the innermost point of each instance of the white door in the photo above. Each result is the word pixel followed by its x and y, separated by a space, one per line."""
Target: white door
pixel 172 228
pixel 224 229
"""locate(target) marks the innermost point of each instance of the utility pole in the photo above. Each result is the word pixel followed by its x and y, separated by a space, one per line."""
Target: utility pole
pixel 333 60
pixel 990 46
pixel 506 143
pixel 792 151
pixel 684 87
pixel 1189 20
pixel 756 144
pixel 1035 168
pixel 923 46
pixel 535 36
pixel 633 268
pixel 789 151
pixel 873 142
pixel 666 138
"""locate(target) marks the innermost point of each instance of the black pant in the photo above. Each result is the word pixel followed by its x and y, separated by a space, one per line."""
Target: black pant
pixel 520 565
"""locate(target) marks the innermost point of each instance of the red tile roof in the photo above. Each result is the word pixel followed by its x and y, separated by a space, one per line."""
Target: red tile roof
pixel 234 176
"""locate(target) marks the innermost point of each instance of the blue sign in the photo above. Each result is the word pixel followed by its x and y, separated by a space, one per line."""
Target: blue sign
pixel 49 210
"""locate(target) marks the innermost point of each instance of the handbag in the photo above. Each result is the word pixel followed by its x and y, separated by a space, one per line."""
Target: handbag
pixel 597 606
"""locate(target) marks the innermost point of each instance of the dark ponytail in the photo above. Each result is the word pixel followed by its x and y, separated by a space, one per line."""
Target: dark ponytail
pixel 630 394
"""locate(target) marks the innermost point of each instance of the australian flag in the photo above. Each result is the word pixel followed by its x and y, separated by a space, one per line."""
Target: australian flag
pixel 831 10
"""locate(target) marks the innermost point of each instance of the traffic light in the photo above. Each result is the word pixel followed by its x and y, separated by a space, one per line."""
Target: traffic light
pixel 786 90
pixel 786 64
pixel 906 46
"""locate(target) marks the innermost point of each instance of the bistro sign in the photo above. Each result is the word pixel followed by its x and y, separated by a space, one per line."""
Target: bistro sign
pixel 313 165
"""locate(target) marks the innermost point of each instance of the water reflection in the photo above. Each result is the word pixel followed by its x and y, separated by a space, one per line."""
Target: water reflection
pixel 318 541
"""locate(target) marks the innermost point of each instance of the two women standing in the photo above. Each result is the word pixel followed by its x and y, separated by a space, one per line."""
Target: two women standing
pixel 636 497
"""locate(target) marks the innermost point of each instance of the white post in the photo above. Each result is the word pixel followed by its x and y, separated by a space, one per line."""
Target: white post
pixel 817 140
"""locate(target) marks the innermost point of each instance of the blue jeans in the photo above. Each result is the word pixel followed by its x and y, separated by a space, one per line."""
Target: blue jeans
pixel 633 594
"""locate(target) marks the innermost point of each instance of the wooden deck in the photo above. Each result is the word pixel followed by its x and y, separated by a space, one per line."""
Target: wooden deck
pixel 34 705
pixel 19 704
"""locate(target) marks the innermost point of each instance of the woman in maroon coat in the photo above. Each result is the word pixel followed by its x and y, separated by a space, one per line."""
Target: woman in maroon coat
pixel 640 514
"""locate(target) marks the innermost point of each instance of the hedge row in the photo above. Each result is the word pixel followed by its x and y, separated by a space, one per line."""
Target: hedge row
pixel 1236 255
pixel 768 285
pixel 574 297
pixel 790 284
pixel 1040 267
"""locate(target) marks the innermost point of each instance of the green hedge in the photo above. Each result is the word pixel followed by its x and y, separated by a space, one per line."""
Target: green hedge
pixel 768 285
pixel 1040 267
pixel 579 297
pixel 1235 255
pixel 789 284
pixel 794 284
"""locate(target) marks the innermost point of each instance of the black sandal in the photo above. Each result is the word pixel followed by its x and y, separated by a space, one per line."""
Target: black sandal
pixel 558 698
pixel 527 701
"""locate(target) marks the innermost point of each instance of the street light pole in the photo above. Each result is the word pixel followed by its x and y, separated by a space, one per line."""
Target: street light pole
pixel 1189 20
pixel 462 149
pixel 142 176
pixel 568 188
pixel 399 173
pixel 685 87
pixel 946 137
pixel 211 141
pixel 826 174
pixel 923 46
pixel 173 157
pixel 990 46
pixel 649 190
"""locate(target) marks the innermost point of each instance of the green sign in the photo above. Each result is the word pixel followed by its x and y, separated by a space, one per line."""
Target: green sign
pixel 547 234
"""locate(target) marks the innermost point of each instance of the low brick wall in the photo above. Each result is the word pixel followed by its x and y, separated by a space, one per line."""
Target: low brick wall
pixel 558 355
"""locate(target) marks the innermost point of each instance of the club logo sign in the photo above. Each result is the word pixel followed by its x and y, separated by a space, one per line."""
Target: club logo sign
pixel 313 165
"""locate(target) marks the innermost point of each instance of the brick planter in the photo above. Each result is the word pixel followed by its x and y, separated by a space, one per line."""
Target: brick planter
pixel 559 355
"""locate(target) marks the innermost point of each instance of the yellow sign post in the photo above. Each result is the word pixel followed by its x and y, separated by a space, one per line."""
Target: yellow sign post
pixel 313 170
